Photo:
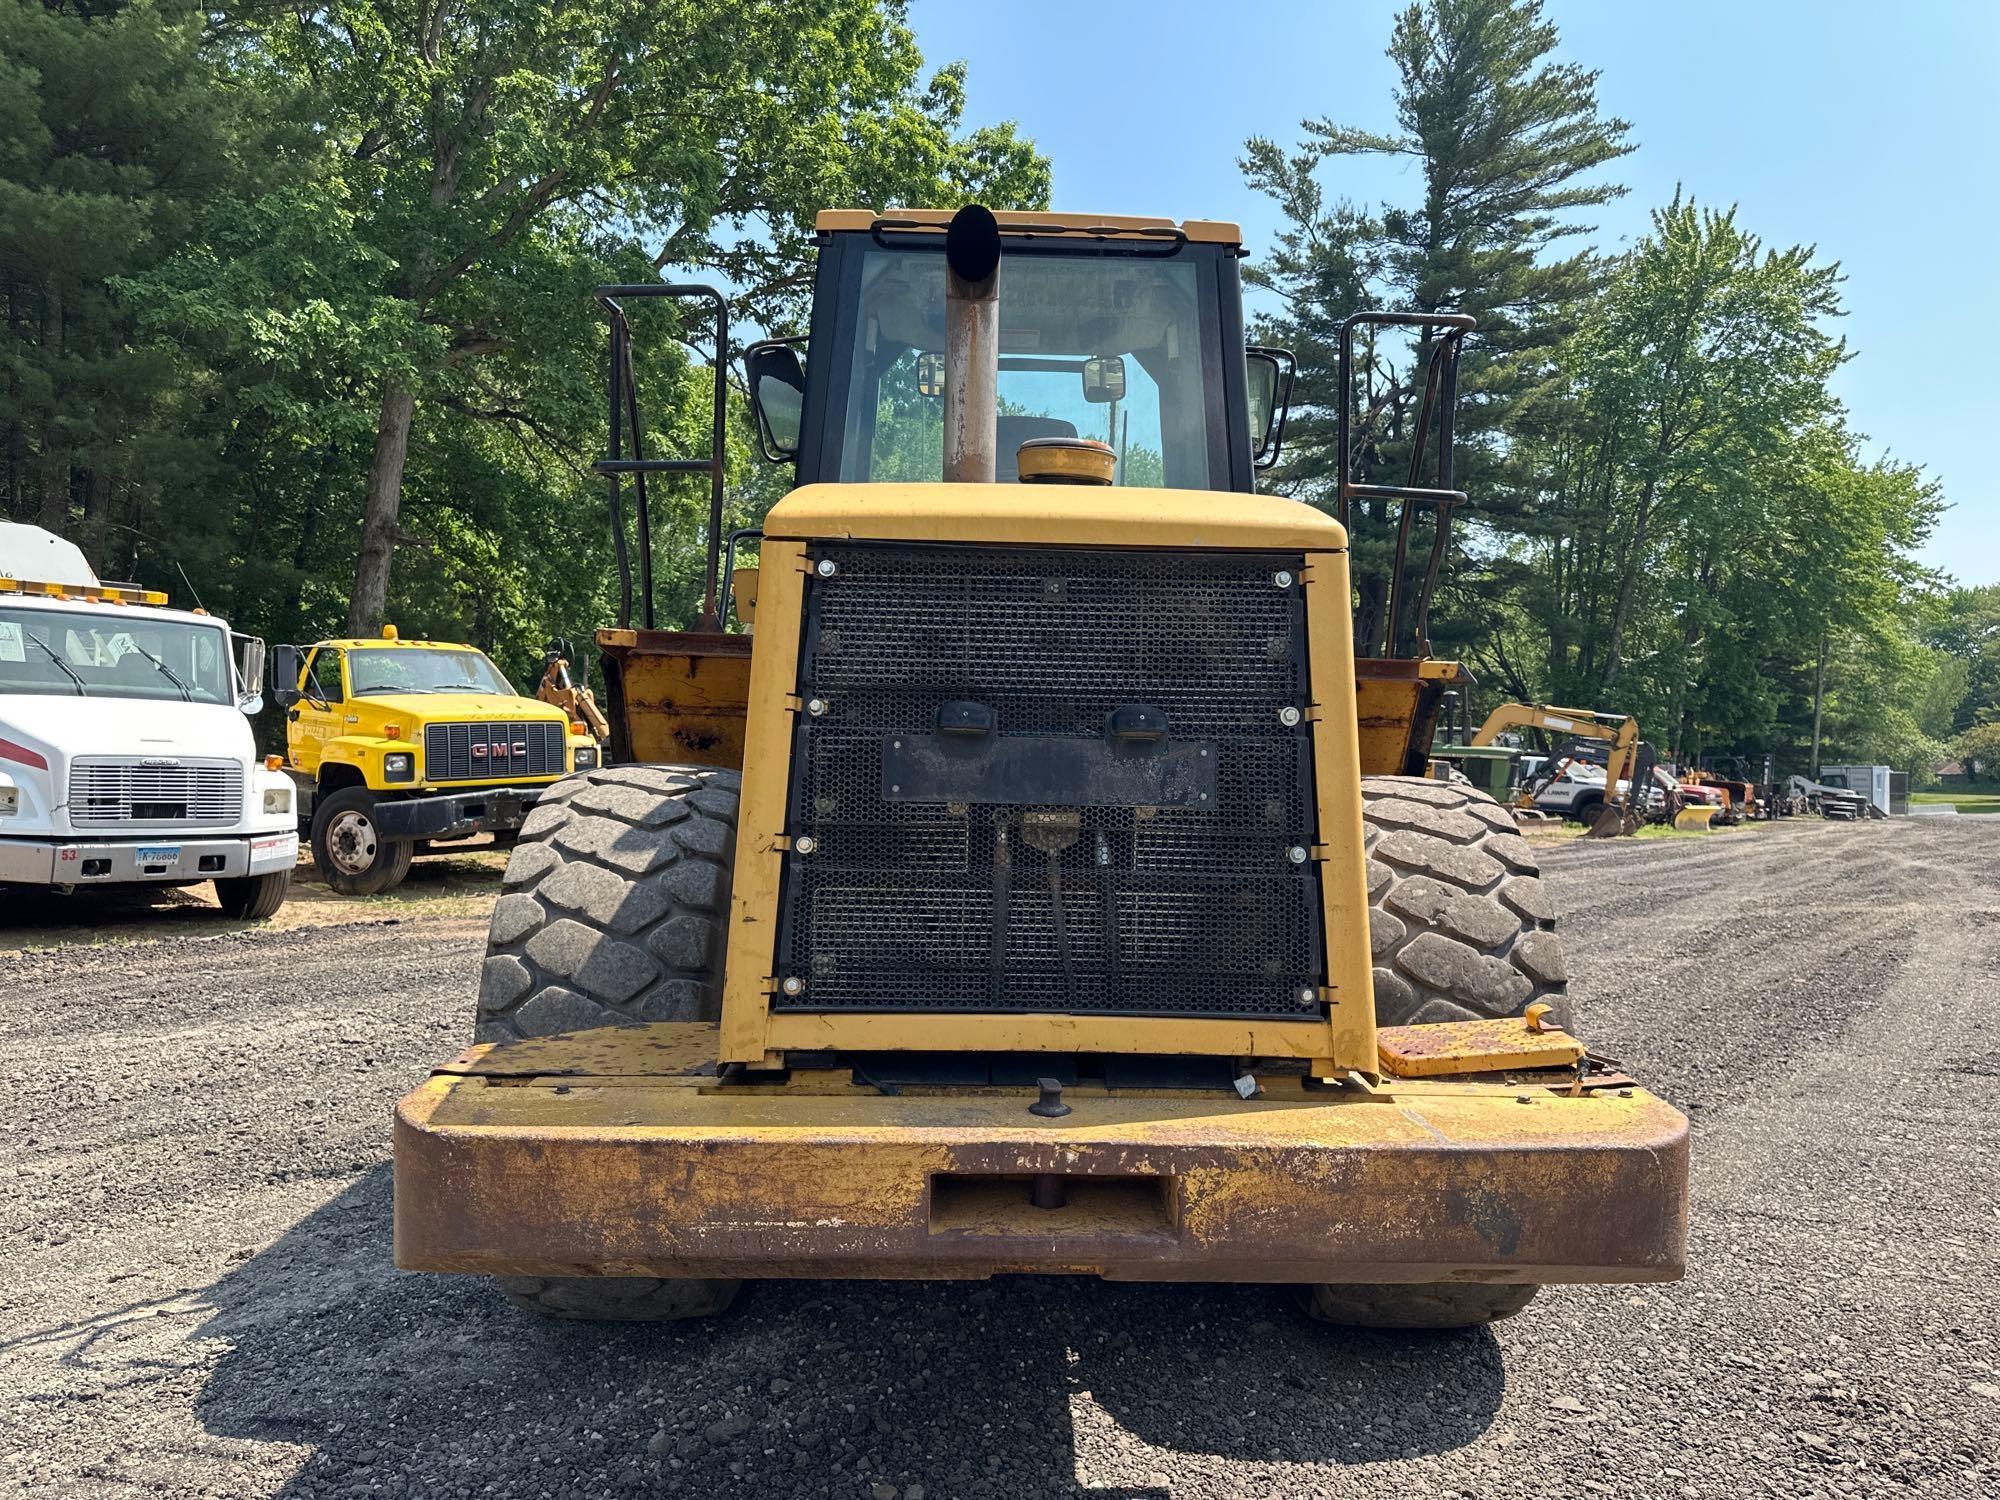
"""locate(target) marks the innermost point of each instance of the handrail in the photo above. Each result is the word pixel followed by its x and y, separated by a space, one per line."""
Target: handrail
pixel 623 392
pixel 1441 392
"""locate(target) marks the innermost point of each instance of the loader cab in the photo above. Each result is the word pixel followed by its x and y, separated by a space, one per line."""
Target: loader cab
pixel 1128 332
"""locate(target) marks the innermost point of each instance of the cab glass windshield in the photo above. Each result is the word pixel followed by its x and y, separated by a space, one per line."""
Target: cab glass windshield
pixel 123 655
pixel 1091 345
pixel 411 669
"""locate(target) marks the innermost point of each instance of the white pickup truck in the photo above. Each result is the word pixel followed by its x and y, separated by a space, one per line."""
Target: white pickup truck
pixel 125 748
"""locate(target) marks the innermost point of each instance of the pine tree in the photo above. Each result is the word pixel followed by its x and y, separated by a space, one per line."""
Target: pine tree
pixel 1508 140
pixel 112 136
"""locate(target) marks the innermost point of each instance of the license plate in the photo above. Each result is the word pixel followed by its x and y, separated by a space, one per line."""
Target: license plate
pixel 159 854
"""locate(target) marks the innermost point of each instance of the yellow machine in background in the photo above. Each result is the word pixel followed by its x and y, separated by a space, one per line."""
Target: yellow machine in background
pixel 561 690
pixel 392 743
pixel 1623 808
pixel 1049 887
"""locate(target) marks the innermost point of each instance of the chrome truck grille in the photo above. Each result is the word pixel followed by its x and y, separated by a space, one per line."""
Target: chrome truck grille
pixel 486 752
pixel 106 791
pixel 1037 780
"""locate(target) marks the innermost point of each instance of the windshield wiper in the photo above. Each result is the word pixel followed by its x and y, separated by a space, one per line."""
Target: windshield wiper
pixel 56 656
pixel 187 693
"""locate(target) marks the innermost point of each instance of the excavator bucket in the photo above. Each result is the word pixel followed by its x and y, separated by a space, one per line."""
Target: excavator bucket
pixel 1613 822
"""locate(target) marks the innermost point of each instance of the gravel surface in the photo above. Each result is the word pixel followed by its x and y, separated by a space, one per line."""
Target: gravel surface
pixel 196 1297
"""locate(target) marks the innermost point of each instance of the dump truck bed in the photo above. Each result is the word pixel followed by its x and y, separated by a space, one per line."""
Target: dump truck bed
pixel 622 1152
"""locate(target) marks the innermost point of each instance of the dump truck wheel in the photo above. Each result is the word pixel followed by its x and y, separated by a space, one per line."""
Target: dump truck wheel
pixel 1460 924
pixel 349 851
pixel 615 904
pixel 613 912
pixel 1444 1304
pixel 619 1299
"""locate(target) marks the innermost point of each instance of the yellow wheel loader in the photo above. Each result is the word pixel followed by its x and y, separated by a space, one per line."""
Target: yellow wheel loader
pixel 1044 886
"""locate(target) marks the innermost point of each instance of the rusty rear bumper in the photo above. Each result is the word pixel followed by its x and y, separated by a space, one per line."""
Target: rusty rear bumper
pixel 617 1153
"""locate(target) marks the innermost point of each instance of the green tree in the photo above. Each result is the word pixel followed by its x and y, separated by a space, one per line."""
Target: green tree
pixel 483 165
pixel 1509 142
pixel 1978 748
pixel 113 138
pixel 1966 623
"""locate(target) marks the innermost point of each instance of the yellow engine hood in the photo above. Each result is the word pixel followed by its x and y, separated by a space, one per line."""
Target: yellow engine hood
pixel 1063 515
pixel 450 708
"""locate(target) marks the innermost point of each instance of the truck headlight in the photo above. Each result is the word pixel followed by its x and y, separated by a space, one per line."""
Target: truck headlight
pixel 10 801
pixel 277 799
pixel 586 757
pixel 400 766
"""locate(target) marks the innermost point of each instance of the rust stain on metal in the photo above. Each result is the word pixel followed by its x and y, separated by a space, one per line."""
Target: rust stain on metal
pixel 1469 1047
pixel 685 695
pixel 586 1154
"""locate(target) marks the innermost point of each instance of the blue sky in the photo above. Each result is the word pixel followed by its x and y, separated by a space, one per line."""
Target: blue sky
pixel 1869 130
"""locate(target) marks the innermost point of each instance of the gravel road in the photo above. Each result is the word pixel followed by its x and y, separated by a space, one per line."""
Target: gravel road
pixel 196 1297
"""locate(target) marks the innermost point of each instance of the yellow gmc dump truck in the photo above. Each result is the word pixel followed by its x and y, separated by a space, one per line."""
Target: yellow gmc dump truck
pixel 394 744
pixel 1050 882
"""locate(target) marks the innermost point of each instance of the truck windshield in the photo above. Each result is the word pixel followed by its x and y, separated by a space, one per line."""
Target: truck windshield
pixel 414 669
pixel 1091 345
pixel 113 654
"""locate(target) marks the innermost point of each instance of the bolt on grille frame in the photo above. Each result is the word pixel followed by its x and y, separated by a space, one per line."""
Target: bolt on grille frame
pixel 998 905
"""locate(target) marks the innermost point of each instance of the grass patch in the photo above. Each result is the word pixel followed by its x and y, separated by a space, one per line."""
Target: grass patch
pixel 1966 801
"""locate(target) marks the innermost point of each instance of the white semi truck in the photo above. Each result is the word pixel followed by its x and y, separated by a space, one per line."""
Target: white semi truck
pixel 125 748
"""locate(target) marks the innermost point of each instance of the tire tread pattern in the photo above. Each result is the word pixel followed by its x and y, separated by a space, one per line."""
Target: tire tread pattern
pixel 1460 925
pixel 619 1299
pixel 1439 1305
pixel 614 909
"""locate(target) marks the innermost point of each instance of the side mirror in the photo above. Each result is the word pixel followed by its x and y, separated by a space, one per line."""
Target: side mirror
pixel 1104 379
pixel 930 376
pixel 249 673
pixel 777 396
pixel 286 665
pixel 1269 374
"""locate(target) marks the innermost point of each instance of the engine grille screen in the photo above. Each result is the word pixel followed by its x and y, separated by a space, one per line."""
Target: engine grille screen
pixel 481 752
pixel 1108 811
pixel 105 791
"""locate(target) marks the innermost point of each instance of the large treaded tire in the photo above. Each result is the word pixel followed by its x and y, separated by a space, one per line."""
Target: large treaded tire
pixel 1444 1304
pixel 615 906
pixel 614 911
pixel 619 1299
pixel 252 898
pixel 1459 922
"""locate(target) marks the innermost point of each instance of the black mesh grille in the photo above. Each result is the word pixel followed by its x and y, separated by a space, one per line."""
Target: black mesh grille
pixel 899 902
pixel 485 752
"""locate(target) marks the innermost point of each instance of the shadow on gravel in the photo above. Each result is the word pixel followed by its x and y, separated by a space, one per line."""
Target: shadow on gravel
pixel 403 1383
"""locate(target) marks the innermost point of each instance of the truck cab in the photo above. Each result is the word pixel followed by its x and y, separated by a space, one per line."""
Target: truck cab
pixel 126 756
pixel 395 743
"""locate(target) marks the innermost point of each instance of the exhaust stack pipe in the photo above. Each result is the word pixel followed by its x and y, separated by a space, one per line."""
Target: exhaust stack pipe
pixel 971 346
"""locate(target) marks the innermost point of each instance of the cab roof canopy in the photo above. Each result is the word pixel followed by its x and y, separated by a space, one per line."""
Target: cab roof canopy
pixel 1110 226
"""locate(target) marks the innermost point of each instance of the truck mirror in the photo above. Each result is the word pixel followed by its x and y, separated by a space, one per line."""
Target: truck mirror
pixel 286 664
pixel 930 376
pixel 1104 379
pixel 1268 373
pixel 249 673
pixel 777 396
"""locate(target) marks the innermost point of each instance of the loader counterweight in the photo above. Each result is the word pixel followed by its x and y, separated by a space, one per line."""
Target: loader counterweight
pixel 622 1153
